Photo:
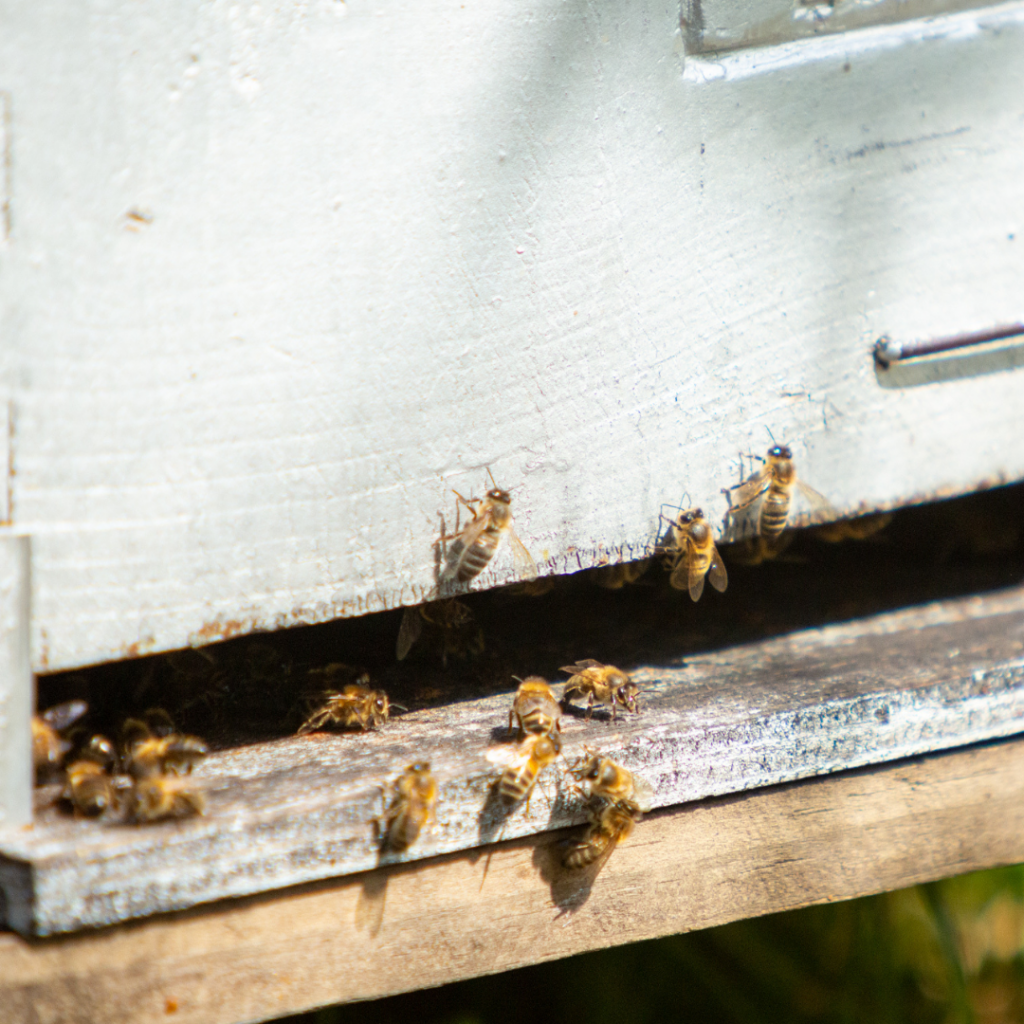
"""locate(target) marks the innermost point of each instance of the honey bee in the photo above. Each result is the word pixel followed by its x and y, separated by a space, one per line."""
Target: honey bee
pixel 774 485
pixel 615 577
pixel 412 806
pixel 476 544
pixel 535 708
pixel 608 780
pixel 601 684
pixel 48 745
pixel 151 747
pixel 610 824
pixel 156 797
pixel 452 624
pixel 354 706
pixel 860 528
pixel 693 555
pixel 536 752
pixel 90 788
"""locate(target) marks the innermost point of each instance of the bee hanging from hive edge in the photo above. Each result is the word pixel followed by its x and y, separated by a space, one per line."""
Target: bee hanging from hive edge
pixel 692 555
pixel 601 684
pixel 768 495
pixel 449 625
pixel 474 546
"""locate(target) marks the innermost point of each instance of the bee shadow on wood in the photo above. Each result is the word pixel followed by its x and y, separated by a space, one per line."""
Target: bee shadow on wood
pixel 570 887
pixel 494 815
pixel 373 893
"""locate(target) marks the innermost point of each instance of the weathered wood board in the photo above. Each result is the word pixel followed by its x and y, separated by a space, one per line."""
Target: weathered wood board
pixel 463 915
pixel 295 810
pixel 278 276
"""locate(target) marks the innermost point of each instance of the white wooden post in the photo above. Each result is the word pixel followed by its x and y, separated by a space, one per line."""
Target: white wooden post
pixel 16 691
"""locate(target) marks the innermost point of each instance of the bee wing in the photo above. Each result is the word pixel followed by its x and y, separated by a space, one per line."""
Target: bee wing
pixel 819 507
pixel 680 578
pixel 522 560
pixel 750 490
pixel 643 794
pixel 61 716
pixel 717 576
pixel 462 542
pixel 580 666
pixel 408 632
pixel 694 580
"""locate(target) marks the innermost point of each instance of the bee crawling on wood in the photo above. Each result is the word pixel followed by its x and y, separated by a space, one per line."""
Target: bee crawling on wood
pixel 617 799
pixel 91 788
pixel 413 804
pixel 49 746
pixel 769 494
pixel 475 545
pixel 151 747
pixel 156 797
pixel 607 780
pixel 534 754
pixel 601 684
pixel 692 555
pixel 535 708
pixel 610 824
pixel 354 706
pixel 450 625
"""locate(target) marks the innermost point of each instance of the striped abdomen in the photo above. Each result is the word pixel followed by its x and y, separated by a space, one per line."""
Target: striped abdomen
pixel 775 510
pixel 517 781
pixel 478 556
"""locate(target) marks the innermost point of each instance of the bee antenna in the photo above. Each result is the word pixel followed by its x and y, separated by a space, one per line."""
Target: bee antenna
pixel 493 481
pixel 770 434
pixel 401 707
pixel 517 679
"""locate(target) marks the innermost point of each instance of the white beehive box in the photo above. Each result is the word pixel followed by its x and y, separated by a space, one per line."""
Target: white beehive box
pixel 278 276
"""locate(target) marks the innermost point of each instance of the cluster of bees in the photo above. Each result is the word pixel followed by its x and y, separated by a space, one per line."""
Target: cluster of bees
pixel 615 799
pixel 146 778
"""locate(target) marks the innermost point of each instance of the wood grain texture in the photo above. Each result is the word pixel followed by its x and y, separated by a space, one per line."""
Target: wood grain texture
pixel 283 274
pixel 469 914
pixel 295 810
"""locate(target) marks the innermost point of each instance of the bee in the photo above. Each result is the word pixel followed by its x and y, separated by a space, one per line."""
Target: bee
pixel 48 745
pixel 615 577
pixel 860 528
pixel 610 824
pixel 535 708
pixel 90 788
pixel 774 485
pixel 412 806
pixel 601 684
pixel 156 797
pixel 608 780
pixel 477 543
pixel 452 624
pixel 693 555
pixel 536 752
pixel 151 747
pixel 354 706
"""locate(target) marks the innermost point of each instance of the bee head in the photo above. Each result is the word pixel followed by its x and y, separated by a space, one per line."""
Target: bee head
pixel 779 451
pixel 500 496
pixel 628 695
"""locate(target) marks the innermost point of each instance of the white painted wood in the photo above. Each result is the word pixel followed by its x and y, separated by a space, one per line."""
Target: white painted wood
pixel 17 695
pixel 283 274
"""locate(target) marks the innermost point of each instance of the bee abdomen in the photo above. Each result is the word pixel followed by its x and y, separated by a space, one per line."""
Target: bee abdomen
pixel 515 784
pixel 774 513
pixel 404 831
pixel 538 721
pixel 479 556
pixel 587 852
